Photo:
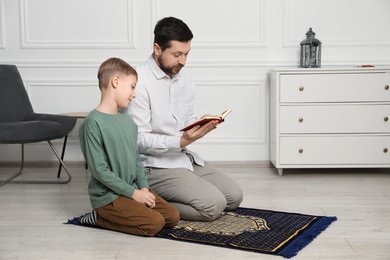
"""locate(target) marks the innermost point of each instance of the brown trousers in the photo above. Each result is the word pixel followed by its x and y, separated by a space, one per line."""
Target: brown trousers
pixel 129 216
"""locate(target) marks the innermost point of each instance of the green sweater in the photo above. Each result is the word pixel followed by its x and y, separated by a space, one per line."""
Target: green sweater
pixel 109 145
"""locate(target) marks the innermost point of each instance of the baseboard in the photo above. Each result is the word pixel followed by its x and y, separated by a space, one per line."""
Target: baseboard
pixel 241 164
pixel 42 164
pixel 74 164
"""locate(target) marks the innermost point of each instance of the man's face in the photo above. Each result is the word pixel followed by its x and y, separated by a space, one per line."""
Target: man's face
pixel 172 59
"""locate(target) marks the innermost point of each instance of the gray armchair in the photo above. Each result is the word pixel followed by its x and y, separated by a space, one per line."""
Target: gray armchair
pixel 19 124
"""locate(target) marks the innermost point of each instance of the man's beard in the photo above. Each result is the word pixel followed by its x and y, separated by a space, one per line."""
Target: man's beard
pixel 169 70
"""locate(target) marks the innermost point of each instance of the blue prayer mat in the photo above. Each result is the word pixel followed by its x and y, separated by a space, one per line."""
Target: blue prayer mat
pixel 256 230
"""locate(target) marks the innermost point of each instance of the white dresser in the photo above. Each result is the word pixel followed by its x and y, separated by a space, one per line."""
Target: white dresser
pixel 330 118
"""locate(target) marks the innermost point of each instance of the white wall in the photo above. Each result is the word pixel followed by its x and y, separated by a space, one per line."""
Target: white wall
pixel 58 46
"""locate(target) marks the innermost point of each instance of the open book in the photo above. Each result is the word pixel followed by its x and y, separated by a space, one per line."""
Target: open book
pixel 207 118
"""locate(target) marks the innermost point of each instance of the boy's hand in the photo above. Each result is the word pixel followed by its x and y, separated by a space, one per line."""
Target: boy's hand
pixel 144 196
pixel 197 132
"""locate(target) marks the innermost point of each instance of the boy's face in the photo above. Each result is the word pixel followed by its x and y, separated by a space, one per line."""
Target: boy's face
pixel 172 59
pixel 125 90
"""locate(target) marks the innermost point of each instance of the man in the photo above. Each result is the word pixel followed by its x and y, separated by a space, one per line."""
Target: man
pixel 164 105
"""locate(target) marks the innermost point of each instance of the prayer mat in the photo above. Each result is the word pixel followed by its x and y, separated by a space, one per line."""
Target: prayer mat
pixel 256 230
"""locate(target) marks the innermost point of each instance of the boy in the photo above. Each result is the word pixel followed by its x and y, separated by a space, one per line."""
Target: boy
pixel 118 188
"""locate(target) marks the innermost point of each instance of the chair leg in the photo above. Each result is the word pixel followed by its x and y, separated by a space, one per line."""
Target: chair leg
pixel 2 182
pixel 11 179
pixel 62 155
pixel 62 163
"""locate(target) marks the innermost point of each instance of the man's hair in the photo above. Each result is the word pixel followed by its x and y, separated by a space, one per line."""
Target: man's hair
pixel 171 29
pixel 111 66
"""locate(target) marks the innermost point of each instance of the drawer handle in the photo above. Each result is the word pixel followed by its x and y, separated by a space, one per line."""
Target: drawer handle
pixel 386 119
pixel 385 150
pixel 300 119
pixel 387 87
pixel 301 88
pixel 300 150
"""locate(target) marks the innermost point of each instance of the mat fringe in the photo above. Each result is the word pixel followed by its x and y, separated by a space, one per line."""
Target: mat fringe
pixel 308 235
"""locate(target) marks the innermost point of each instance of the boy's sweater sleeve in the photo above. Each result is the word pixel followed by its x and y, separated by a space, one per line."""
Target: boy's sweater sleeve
pixel 142 180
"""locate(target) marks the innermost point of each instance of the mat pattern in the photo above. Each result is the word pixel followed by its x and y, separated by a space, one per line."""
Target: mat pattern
pixel 256 230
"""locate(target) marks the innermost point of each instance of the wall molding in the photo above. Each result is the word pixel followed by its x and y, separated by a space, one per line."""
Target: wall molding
pixel 2 25
pixel 58 83
pixel 230 141
pixel 89 63
pixel 291 42
pixel 260 138
pixel 42 82
pixel 71 164
pixel 261 133
pixel 27 43
pixel 259 43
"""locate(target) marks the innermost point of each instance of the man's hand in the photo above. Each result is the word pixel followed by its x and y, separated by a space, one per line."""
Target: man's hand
pixel 197 132
pixel 144 196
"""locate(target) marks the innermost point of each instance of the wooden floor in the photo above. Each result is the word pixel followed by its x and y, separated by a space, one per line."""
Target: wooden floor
pixel 32 217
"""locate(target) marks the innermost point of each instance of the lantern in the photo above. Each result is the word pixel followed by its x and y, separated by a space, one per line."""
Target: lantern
pixel 310 51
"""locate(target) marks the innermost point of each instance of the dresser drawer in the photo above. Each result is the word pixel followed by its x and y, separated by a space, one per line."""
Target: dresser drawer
pixel 335 119
pixel 335 87
pixel 326 150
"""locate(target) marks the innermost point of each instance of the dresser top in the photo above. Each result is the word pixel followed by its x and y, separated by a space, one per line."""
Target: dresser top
pixel 332 69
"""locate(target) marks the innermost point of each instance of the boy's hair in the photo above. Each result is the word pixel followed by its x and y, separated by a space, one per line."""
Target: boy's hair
pixel 171 29
pixel 111 66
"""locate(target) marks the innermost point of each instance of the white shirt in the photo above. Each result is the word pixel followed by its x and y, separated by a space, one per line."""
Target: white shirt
pixel 163 105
